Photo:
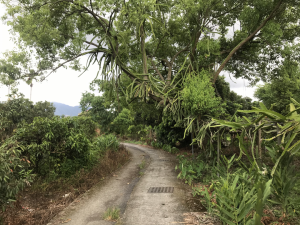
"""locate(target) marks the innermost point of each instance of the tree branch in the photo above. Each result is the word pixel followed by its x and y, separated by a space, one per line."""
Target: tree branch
pixel 170 64
pixel 69 60
pixel 245 41
pixel 155 68
pixel 91 4
pixel 96 17
pixel 178 53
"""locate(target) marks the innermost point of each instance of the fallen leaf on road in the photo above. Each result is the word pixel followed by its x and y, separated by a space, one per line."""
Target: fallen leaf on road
pixel 68 220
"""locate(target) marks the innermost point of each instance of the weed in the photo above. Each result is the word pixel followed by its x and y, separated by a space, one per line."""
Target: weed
pixel 190 170
pixel 141 173
pixel 106 142
pixel 142 165
pixel 112 214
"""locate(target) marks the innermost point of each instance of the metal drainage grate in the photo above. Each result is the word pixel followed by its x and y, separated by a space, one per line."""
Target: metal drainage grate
pixel 161 190
pixel 165 160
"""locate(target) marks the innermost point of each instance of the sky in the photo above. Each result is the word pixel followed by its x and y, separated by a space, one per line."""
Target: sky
pixel 66 87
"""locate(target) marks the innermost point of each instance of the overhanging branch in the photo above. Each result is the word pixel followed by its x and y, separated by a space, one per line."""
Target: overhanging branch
pixel 245 41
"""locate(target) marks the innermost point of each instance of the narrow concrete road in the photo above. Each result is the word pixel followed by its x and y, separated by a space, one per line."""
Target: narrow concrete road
pixel 156 208
pixel 128 190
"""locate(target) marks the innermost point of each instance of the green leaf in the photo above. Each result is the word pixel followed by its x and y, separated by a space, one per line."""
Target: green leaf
pixel 233 186
pixel 226 220
pixel 268 113
pixel 245 211
pixel 267 190
pixel 226 212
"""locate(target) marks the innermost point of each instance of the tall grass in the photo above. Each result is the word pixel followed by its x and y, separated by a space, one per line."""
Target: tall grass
pixel 106 142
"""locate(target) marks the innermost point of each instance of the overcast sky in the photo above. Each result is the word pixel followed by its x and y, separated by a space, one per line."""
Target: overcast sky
pixel 66 87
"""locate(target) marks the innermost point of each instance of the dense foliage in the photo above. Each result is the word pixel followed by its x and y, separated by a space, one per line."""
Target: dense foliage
pixel 198 95
pixel 98 109
pixel 14 171
pixel 50 144
pixel 283 87
pixel 153 45
pixel 240 195
pixel 39 144
pixel 160 63
pixel 20 110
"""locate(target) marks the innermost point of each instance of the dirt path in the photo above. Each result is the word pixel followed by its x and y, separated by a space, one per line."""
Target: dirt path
pixel 128 190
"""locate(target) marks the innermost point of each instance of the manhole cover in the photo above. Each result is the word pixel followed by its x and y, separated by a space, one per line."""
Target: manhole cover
pixel 161 190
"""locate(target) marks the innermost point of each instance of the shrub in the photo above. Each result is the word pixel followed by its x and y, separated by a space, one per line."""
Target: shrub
pixel 168 132
pixel 190 170
pixel 198 95
pixel 106 142
pixel 14 173
pixel 122 122
pixel 17 111
pixel 156 144
pixel 47 147
pixel 169 148
pixel 51 143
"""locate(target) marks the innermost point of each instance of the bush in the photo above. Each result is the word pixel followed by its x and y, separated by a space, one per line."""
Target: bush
pixel 106 142
pixel 52 144
pixel 169 148
pixel 190 170
pixel 198 95
pixel 17 111
pixel 14 173
pixel 51 148
pixel 122 122
pixel 156 144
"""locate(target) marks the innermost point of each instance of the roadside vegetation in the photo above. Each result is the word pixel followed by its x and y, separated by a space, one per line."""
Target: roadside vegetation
pixel 47 161
pixel 161 83
pixel 259 183
pixel 112 214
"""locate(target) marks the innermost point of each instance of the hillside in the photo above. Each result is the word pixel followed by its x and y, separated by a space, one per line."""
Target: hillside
pixel 62 109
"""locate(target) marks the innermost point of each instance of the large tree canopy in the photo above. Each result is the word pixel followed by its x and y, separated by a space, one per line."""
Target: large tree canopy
pixel 157 43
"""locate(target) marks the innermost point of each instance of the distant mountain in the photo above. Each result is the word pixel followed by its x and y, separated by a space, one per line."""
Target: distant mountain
pixel 62 109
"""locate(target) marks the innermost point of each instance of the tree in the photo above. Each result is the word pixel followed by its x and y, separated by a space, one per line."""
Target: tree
pixel 122 122
pixel 100 111
pixel 157 44
pixel 19 110
pixel 282 88
pixel 232 100
pixel 158 35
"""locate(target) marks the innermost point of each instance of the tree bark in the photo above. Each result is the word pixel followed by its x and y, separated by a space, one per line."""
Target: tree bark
pixel 143 50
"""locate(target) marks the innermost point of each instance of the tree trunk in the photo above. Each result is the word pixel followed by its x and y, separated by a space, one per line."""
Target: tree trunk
pixel 143 50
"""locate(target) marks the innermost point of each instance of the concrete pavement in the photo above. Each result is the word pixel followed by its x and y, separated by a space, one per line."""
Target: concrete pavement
pixel 128 190
pixel 156 208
